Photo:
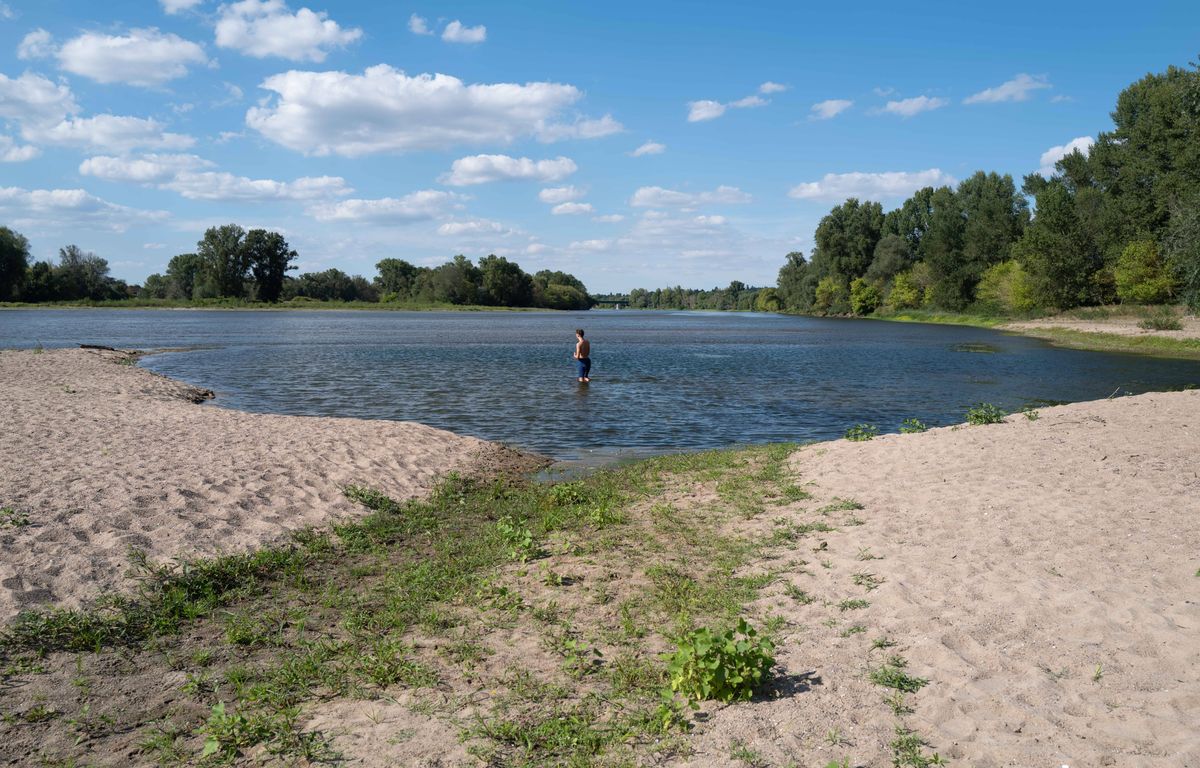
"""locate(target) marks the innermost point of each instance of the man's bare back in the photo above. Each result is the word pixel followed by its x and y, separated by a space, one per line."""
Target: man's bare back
pixel 583 359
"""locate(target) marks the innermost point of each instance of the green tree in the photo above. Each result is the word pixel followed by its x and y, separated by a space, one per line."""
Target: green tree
pixel 82 275
pixel 846 239
pixel 865 296
pixel 504 283
pixel 905 294
pixel 893 255
pixel 1182 248
pixel 39 283
pixel 1005 287
pixel 225 260
pixel 1058 252
pixel 14 261
pixel 767 300
pixel 269 259
pixel 943 250
pixel 797 283
pixel 1141 276
pixel 832 296
pixel 911 220
pixel 396 277
pixel 184 273
pixel 156 287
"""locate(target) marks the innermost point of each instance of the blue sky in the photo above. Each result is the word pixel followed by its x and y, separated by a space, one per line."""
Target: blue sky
pixel 418 131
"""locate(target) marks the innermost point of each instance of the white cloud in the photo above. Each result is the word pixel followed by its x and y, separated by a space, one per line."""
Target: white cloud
pixel 658 197
pixel 749 101
pixel 33 100
pixel 416 206
pixel 385 110
pixel 883 92
pixel 171 7
pixel 1054 154
pixel 582 128
pixel 54 207
pixel 593 246
pixel 769 87
pixel 836 187
pixel 555 195
pixel 418 25
pixel 1017 89
pixel 455 32
pixel 610 218
pixel 649 148
pixel 568 209
pixel 212 185
pixel 11 152
pixel 915 105
pixel 38 44
pixel 262 28
pixel 110 133
pixel 705 109
pixel 6 13
pixel 471 227
pixel 830 108
pixel 481 169
pixel 147 169
pixel 143 57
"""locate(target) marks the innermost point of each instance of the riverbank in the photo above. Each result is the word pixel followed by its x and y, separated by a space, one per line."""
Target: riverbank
pixel 101 457
pixel 1099 329
pixel 1020 593
pixel 259 306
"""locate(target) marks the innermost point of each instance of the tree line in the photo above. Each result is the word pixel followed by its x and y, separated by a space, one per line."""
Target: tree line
pixel 1118 223
pixel 232 263
pixel 737 296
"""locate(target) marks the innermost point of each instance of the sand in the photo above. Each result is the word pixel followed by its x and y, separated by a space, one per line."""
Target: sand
pixel 103 456
pixel 1042 575
pixel 1121 326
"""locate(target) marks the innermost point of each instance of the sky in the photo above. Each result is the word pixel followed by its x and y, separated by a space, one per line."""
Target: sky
pixel 631 144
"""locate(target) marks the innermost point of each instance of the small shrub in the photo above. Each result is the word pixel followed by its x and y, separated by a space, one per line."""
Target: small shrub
pixel 731 666
pixel 1142 276
pixel 861 432
pixel 985 413
pixel 1031 414
pixel 912 426
pixel 865 297
pixel 1163 320
pixel 517 536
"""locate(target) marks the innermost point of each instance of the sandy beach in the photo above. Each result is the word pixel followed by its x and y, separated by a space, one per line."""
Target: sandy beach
pixel 1121 326
pixel 1041 574
pixel 102 456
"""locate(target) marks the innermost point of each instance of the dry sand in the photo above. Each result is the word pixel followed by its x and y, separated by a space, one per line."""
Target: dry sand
pixel 104 457
pixel 1121 326
pixel 1042 575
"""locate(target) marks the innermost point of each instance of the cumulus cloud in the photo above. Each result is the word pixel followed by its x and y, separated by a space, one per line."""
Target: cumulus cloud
pixel 418 25
pixel 582 128
pixel 591 246
pixel 385 110
pixel 649 148
pixel 33 100
pixel 568 209
pixel 1054 154
pixel 422 205
pixel 830 108
pixel 212 185
pixel 147 169
pixel 769 87
pixel 52 207
pixel 870 186
pixel 705 109
pixel 914 106
pixel 144 57
pixel 1017 89
pixel 110 133
pixel 262 28
pixel 455 32
pixel 609 218
pixel 471 227
pixel 11 152
pixel 38 44
pixel 171 7
pixel 481 169
pixel 555 195
pixel 658 197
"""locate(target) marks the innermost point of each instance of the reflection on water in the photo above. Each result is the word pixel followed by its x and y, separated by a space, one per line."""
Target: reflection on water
pixel 661 382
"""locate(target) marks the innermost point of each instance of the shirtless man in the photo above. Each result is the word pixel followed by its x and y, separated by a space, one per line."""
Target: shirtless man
pixel 583 348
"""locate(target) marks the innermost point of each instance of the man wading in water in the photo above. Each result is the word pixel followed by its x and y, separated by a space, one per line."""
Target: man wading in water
pixel 583 348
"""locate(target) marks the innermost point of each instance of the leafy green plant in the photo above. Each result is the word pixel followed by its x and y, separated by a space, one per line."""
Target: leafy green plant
pixel 1031 414
pixel 908 751
pixel 853 605
pixel 1163 320
pixel 11 518
pixel 518 537
pixel 892 675
pixel 729 666
pixel 985 413
pixel 862 432
pixel 912 426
